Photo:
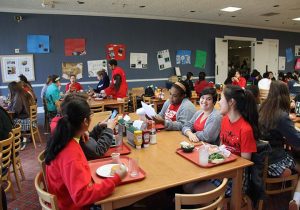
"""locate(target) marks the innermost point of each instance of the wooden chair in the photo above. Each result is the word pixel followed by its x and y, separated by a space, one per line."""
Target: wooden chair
pixel 166 93
pixel 125 108
pixel 33 124
pixel 16 160
pixel 97 108
pixel 134 102
pixel 138 91
pixel 1 181
pixel 47 200
pixel 41 160
pixel 263 94
pixel 6 150
pixel 212 200
pixel 46 117
pixel 147 100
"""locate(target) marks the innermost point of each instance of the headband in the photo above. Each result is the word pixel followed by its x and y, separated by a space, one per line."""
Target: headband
pixel 181 86
pixel 57 79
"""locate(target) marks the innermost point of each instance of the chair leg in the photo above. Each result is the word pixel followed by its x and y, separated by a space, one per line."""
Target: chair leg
pixel 17 178
pixel 12 190
pixel 20 168
pixel 32 136
pixel 260 205
pixel 38 132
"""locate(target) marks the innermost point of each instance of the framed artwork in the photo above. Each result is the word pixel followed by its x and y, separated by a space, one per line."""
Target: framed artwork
pixel 14 65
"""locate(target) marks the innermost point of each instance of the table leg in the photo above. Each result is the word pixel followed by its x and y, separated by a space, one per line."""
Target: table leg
pixel 155 106
pixel 107 206
pixel 236 197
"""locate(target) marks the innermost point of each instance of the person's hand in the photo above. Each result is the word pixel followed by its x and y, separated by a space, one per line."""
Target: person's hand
pixel 293 104
pixel 111 123
pixel 193 137
pixel 85 136
pixel 234 79
pixel 122 172
pixel 158 119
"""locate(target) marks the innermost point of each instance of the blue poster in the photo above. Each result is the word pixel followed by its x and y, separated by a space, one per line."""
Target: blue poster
pixel 289 54
pixel 183 56
pixel 38 44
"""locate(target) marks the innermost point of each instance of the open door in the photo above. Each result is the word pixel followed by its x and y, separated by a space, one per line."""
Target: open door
pixel 221 60
pixel 273 52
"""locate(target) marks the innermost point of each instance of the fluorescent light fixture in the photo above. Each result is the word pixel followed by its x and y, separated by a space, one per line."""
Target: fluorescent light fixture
pixel 230 9
pixel 297 19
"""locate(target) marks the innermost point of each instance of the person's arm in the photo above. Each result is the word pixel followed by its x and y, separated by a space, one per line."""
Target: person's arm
pixel 185 113
pixel 43 91
pixel 17 105
pixel 164 109
pixel 211 128
pixel 83 191
pixel 67 87
pixel 287 129
pixel 242 82
pixel 188 126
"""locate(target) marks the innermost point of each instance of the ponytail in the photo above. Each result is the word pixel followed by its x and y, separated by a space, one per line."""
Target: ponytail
pixel 75 113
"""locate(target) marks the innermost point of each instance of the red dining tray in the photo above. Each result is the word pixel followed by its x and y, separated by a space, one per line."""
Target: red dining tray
pixel 159 126
pixel 123 150
pixel 95 164
pixel 194 158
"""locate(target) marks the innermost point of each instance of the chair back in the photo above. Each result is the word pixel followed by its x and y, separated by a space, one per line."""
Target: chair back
pixel 134 102
pixel 166 93
pixel 212 200
pixel 41 160
pixel 138 91
pixel 6 150
pixel 1 181
pixel 97 108
pixel 263 94
pixel 126 104
pixel 16 145
pixel 47 200
pixel 147 100
pixel 33 113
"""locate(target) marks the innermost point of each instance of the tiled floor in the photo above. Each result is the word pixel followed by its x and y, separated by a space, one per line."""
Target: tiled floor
pixel 28 199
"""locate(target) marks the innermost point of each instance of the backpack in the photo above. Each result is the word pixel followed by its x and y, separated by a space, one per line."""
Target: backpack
pixel 149 92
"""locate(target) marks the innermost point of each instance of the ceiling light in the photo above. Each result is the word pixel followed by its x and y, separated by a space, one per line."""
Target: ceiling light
pixel 233 16
pixel 192 11
pixel 80 2
pixel 230 9
pixel 297 19
pixel 277 5
pixel 142 6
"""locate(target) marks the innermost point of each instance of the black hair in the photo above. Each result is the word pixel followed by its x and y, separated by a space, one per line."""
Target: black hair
pixel 202 75
pixel 113 62
pixel 210 91
pixel 266 75
pixel 254 90
pixel 255 73
pixel 189 75
pixel 24 79
pixel 75 112
pixel 187 92
pixel 245 105
pixel 54 77
pixel 118 81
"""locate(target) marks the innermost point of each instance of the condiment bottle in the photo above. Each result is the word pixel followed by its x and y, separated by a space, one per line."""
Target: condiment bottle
pixel 138 139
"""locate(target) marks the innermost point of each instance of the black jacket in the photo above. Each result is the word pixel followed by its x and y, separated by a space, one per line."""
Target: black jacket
pixel 5 124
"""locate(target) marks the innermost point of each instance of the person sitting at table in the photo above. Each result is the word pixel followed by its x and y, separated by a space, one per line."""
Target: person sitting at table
pixel 277 128
pixel 53 96
pixel 202 83
pixel 67 171
pixel 118 86
pixel 178 109
pixel 189 80
pixel 239 131
pixel 103 81
pixel 205 124
pixel 73 86
pixel 44 89
pixel 239 80
pixel 95 143
pixel 20 103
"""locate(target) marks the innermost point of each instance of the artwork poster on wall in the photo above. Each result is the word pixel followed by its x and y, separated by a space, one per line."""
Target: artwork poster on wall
pixel 14 65
pixel 75 47
pixel 200 59
pixel 183 56
pixel 38 44
pixel 71 69
pixel 164 60
pixel 138 60
pixel 289 54
pixel 115 51
pixel 297 50
pixel 281 63
pixel 96 65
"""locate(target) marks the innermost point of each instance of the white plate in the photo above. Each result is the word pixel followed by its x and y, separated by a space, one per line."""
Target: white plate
pixel 104 171
pixel 98 99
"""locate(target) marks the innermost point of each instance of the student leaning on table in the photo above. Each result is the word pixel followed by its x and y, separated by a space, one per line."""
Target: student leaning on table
pixel 178 109
pixel 53 96
pixel 67 171
pixel 239 131
pixel 95 143
pixel 73 86
pixel 205 124
pixel 276 127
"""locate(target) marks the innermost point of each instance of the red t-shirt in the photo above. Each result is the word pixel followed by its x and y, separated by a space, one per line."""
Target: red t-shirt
pixel 76 87
pixel 171 112
pixel 200 85
pixel 238 136
pixel 123 87
pixel 242 82
pixel 198 125
pixel 53 123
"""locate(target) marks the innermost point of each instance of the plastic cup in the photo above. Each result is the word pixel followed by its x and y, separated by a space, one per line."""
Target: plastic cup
pixel 133 167
pixel 115 158
pixel 203 155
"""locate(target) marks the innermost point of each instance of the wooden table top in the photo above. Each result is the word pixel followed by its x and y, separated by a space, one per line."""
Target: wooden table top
pixel 164 168
pixel 105 102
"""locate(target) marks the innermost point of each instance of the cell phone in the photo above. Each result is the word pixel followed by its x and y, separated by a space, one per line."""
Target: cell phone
pixel 114 114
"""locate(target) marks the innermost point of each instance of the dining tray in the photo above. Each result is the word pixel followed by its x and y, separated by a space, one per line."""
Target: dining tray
pixel 123 150
pixel 95 164
pixel 194 157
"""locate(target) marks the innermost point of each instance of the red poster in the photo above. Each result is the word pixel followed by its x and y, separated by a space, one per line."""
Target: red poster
pixel 297 66
pixel 74 47
pixel 115 51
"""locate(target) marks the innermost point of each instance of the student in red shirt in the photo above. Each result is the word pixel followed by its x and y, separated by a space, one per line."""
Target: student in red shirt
pixel 202 83
pixel 178 109
pixel 239 80
pixel 118 86
pixel 67 172
pixel 73 86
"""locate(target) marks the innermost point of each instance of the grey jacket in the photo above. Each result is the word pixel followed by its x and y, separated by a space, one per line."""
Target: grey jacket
pixel 184 114
pixel 211 129
pixel 99 142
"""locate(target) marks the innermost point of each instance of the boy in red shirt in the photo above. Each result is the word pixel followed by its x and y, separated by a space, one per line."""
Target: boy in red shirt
pixel 73 86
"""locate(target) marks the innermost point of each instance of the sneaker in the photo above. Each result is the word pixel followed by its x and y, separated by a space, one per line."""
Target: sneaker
pixel 23 145
pixel 293 205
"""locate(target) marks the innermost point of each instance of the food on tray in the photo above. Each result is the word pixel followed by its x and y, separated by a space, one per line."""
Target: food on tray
pixel 114 169
pixel 216 158
pixel 213 149
pixel 187 147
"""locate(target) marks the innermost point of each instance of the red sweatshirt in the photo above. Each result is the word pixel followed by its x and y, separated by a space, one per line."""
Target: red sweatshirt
pixel 69 178
pixel 76 87
pixel 123 88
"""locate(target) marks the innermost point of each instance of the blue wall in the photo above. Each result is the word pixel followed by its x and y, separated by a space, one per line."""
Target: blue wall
pixel 139 35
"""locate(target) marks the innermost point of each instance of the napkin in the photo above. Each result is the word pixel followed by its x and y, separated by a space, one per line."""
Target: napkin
pixel 225 152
